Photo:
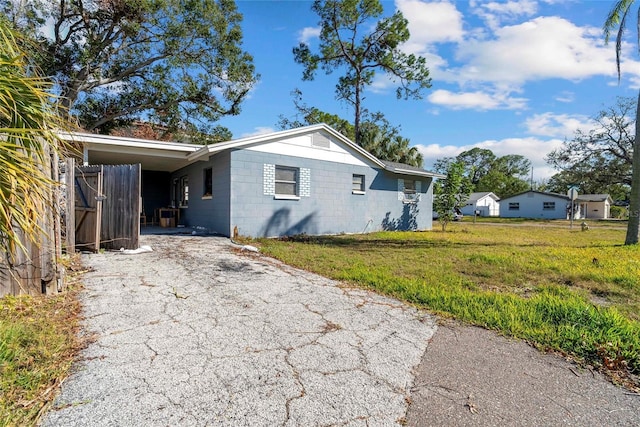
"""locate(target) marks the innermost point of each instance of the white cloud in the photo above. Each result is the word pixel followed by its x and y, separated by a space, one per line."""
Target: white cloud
pixel 543 48
pixel 476 100
pixel 260 130
pixel 557 125
pixel 565 96
pixel 432 22
pixel 494 13
pixel 307 33
pixel 492 62
pixel 534 149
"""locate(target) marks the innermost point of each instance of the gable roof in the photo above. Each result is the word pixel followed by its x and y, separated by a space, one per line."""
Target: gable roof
pixel 559 196
pixel 594 198
pixel 474 197
pixel 171 156
pixel 398 168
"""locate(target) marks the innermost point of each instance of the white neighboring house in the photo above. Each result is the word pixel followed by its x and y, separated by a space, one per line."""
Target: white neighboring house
pixel 535 204
pixel 594 206
pixel 486 202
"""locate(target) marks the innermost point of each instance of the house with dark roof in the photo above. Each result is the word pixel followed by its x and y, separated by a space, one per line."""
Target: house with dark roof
pixel 309 180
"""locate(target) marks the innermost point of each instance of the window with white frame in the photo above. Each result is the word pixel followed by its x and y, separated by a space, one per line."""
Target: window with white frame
pixel 207 187
pixel 357 184
pixel 286 181
pixel 514 206
pixel 548 206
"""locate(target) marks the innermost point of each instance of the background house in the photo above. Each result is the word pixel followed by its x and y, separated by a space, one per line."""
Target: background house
pixel 487 203
pixel 307 180
pixel 594 206
pixel 535 204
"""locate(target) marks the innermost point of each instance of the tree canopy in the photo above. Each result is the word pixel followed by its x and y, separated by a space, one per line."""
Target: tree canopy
pixel 355 39
pixel 504 176
pixel 599 160
pixel 175 63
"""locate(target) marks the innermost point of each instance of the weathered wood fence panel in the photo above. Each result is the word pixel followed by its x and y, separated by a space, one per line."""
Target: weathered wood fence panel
pixel 107 206
pixel 121 207
pixel 88 207
pixel 33 269
pixel 70 203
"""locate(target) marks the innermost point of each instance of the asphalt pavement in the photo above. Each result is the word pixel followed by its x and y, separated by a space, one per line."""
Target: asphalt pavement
pixel 198 333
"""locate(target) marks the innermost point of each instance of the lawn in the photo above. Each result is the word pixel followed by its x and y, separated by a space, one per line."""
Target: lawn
pixel 567 290
pixel 38 343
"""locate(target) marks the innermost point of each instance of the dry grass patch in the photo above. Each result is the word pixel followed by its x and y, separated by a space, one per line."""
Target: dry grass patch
pixel 38 343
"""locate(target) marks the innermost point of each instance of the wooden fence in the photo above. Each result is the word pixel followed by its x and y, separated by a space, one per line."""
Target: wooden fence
pixel 101 210
pixel 107 206
pixel 34 269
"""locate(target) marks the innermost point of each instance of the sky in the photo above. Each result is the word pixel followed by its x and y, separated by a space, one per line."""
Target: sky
pixel 515 77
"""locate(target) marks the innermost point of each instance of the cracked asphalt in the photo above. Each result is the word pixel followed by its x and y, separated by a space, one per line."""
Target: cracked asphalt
pixel 197 334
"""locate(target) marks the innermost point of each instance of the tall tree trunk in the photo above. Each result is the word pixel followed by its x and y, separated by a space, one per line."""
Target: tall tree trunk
pixel 356 121
pixel 633 228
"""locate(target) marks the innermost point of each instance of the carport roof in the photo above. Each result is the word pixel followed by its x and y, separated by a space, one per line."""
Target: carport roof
pixel 112 150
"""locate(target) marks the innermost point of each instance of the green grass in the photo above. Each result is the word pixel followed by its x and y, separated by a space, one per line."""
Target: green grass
pixel 37 345
pixel 567 290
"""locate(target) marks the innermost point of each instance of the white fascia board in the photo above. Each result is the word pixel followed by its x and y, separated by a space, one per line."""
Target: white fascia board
pixel 110 140
pixel 415 173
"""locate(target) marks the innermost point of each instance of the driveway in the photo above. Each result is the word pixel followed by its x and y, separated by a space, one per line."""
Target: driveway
pixel 196 333
pixel 199 333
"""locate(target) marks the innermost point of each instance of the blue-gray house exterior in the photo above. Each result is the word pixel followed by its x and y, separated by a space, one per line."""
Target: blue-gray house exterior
pixel 332 186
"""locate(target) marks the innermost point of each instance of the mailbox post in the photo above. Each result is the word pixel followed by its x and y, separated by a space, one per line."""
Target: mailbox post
pixel 573 195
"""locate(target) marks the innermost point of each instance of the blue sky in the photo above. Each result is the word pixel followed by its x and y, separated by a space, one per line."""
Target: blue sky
pixel 516 77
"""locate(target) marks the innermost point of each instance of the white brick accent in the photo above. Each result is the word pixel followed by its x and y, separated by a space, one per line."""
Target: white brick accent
pixel 305 182
pixel 400 189
pixel 269 180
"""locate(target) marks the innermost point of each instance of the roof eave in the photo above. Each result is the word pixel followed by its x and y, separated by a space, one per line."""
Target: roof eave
pixel 426 174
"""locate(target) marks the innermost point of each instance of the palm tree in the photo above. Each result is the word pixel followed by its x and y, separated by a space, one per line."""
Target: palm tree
pixel 617 19
pixel 28 125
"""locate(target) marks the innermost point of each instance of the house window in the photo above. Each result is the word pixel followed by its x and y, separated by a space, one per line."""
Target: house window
pixel 409 187
pixel 207 186
pixel 357 184
pixel 549 206
pixel 184 192
pixel 409 191
pixel 514 206
pixel 286 181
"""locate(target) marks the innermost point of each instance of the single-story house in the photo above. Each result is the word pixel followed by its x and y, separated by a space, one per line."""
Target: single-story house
pixel 535 204
pixel 309 180
pixel 486 203
pixel 594 206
